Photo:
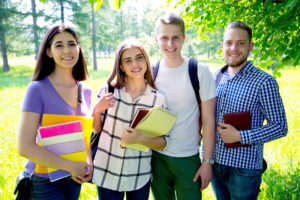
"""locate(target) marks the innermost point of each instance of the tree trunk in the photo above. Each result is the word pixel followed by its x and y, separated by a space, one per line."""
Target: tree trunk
pixel 3 49
pixel 94 39
pixel 62 17
pixel 34 28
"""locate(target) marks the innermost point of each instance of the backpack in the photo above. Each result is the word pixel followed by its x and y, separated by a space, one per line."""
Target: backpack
pixel 193 73
pixel 95 137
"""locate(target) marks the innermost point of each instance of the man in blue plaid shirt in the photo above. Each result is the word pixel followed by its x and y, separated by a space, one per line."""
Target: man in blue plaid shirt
pixel 243 87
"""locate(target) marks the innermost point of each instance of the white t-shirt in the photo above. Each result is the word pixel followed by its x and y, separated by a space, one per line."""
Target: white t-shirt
pixel 175 85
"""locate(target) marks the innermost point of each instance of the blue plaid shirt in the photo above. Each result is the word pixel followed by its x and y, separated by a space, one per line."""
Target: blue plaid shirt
pixel 256 91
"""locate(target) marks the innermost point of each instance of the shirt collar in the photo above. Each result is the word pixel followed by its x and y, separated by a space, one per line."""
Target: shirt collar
pixel 247 68
pixel 148 89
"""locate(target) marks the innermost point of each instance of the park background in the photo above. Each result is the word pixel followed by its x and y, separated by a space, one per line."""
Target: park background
pixel 275 24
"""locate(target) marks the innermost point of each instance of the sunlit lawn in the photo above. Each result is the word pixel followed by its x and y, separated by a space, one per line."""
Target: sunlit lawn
pixel 281 181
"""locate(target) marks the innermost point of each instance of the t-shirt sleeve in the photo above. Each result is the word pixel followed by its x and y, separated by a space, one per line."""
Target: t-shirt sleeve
pixel 87 95
pixel 207 86
pixel 33 101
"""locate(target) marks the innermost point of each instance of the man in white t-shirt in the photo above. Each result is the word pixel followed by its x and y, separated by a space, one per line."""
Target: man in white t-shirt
pixel 177 171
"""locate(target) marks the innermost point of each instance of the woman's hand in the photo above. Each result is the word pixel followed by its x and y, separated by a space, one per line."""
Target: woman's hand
pixel 105 102
pixel 131 135
pixel 87 176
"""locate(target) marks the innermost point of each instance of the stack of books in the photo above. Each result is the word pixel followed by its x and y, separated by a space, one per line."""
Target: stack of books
pixel 65 140
pixel 151 122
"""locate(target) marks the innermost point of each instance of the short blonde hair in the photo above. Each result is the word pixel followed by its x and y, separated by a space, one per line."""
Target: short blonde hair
pixel 170 18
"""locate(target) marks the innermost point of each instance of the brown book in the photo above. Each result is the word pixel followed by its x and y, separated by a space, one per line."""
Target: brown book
pixel 241 121
pixel 139 115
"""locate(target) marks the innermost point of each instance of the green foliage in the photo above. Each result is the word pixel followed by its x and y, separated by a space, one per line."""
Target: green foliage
pixel 275 26
pixel 282 184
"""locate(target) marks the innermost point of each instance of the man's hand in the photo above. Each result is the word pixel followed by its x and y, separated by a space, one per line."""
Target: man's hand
pixel 205 173
pixel 228 133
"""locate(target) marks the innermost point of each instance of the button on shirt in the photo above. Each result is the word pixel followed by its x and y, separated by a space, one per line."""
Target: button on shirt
pixel 256 91
pixel 117 168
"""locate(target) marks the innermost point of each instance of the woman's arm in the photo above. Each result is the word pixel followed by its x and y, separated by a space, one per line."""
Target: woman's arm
pixel 28 148
pixel 105 102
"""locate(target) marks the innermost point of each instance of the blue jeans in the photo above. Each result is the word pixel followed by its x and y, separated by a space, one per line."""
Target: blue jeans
pixel 232 183
pixel 64 189
pixel 140 194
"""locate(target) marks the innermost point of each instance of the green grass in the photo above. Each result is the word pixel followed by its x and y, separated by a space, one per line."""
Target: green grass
pixel 280 181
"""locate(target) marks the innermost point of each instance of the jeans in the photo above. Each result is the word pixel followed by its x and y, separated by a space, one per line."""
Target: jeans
pixel 140 194
pixel 232 183
pixel 64 189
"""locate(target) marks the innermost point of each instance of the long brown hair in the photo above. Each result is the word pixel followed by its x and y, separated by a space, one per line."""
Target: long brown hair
pixel 117 72
pixel 46 65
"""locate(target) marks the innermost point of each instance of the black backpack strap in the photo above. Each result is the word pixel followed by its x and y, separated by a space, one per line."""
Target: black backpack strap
pixel 193 72
pixel 155 70
pixel 111 89
pixel 219 73
pixel 95 137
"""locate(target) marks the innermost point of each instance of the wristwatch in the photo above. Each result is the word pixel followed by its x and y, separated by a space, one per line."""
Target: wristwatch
pixel 209 161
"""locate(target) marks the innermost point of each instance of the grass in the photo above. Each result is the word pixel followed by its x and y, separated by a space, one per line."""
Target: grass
pixel 280 181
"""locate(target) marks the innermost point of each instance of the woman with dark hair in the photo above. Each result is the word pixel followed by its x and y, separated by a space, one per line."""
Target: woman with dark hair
pixel 121 170
pixel 54 90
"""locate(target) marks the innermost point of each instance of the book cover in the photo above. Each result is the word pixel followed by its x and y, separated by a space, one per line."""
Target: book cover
pixel 241 121
pixel 65 140
pixel 53 119
pixel 152 122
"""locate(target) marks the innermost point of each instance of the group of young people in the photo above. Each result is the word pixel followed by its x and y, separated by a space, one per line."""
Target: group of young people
pixel 172 168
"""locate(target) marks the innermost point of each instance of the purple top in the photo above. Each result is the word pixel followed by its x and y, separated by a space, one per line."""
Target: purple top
pixel 41 97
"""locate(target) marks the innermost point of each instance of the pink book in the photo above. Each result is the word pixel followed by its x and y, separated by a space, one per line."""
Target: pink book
pixel 65 140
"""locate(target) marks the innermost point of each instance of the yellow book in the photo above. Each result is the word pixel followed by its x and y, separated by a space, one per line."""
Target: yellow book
pixel 152 122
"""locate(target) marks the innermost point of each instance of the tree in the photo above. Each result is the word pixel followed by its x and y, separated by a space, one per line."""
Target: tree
pixel 275 26
pixel 34 28
pixel 3 15
pixel 62 11
pixel 94 39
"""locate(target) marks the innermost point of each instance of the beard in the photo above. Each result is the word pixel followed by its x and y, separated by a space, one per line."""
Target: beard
pixel 236 63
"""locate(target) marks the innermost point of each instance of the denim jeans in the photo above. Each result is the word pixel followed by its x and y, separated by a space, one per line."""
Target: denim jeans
pixel 64 189
pixel 232 183
pixel 140 194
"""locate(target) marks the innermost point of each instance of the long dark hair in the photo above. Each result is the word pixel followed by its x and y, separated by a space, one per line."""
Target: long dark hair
pixel 121 76
pixel 45 65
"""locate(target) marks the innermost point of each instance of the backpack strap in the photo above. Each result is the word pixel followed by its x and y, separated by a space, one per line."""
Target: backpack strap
pixel 193 73
pixel 219 75
pixel 111 89
pixel 155 70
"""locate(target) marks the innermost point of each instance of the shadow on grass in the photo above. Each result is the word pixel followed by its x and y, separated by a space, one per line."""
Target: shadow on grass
pixel 18 76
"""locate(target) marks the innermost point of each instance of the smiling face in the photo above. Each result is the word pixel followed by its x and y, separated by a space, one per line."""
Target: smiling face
pixel 170 39
pixel 133 63
pixel 236 47
pixel 64 50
